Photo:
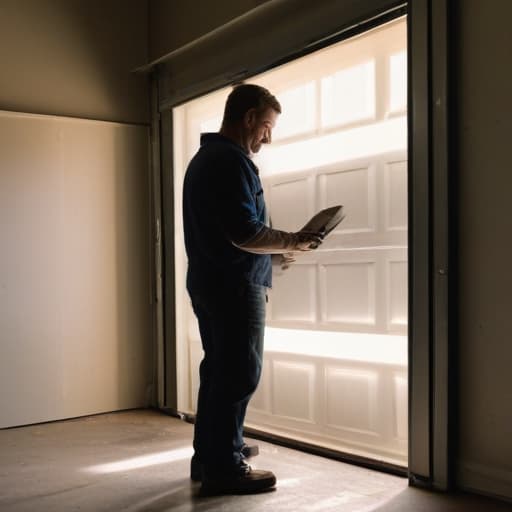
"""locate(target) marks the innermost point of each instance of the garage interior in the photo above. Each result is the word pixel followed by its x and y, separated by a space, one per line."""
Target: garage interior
pixel 80 372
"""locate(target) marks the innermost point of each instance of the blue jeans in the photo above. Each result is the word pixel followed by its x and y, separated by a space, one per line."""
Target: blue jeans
pixel 231 323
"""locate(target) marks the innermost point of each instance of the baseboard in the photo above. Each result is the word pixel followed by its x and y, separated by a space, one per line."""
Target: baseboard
pixel 481 479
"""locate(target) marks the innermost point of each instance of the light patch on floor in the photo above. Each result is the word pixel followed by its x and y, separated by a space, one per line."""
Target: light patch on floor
pixel 139 461
pixel 143 461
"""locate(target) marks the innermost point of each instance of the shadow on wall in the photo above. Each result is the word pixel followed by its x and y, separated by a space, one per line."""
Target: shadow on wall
pixel 135 350
pixel 74 58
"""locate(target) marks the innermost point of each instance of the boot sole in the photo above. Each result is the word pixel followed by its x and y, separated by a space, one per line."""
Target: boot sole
pixel 248 451
pixel 239 487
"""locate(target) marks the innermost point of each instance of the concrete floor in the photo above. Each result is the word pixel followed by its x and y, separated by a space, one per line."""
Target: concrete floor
pixel 139 461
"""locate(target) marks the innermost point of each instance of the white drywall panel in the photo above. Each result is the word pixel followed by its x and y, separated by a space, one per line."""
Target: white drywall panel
pixel 75 322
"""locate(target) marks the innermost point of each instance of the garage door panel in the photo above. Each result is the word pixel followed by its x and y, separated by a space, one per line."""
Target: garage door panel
pixel 348 292
pixel 291 202
pixel 351 399
pixel 398 295
pixel 294 295
pixel 355 189
pixel 293 390
pixel 395 190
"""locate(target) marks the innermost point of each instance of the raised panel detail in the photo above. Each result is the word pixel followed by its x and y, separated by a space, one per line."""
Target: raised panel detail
pixel 396 195
pixel 401 408
pixel 355 190
pixel 349 94
pixel 290 204
pixel 298 111
pixel 398 294
pixel 261 398
pixel 293 390
pixel 294 294
pixel 349 293
pixel 351 399
pixel 398 81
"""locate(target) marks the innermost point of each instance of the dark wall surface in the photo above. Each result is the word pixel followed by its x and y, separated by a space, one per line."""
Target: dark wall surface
pixel 74 58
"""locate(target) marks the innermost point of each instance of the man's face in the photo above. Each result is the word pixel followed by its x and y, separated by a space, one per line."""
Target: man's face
pixel 258 128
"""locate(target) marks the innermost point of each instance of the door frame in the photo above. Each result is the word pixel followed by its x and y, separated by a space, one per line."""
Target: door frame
pixel 432 415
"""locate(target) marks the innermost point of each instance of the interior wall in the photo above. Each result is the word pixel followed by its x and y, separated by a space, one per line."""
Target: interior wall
pixel 75 313
pixel 484 108
pixel 74 293
pixel 74 58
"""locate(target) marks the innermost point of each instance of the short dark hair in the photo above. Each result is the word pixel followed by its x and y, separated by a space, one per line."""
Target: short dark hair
pixel 243 97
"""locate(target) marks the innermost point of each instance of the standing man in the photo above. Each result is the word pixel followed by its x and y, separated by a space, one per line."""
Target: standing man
pixel 229 247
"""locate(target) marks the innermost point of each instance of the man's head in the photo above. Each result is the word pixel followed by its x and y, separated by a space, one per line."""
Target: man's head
pixel 249 115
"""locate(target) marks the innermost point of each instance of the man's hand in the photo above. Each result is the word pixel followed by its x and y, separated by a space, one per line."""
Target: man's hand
pixel 307 241
pixel 286 260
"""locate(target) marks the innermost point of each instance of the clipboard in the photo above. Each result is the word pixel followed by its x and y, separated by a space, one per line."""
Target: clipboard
pixel 325 220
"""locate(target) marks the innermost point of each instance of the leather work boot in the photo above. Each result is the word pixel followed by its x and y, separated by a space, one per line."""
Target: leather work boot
pixel 243 480
pixel 196 470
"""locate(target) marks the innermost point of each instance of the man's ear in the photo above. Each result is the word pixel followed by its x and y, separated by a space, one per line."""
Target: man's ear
pixel 250 118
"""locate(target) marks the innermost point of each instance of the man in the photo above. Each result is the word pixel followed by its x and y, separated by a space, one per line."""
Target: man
pixel 229 247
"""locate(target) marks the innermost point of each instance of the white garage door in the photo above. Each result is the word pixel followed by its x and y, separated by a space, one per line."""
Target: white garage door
pixel 335 369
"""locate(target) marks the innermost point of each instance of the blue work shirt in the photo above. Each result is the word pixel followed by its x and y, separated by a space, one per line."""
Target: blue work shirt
pixel 223 204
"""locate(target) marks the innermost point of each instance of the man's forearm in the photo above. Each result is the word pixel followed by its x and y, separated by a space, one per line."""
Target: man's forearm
pixel 275 241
